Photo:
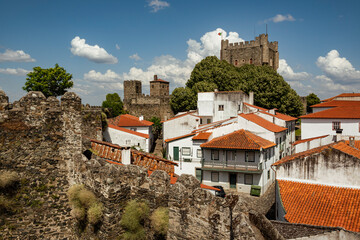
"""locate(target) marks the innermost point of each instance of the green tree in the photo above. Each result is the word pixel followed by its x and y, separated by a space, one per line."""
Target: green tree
pixel 51 81
pixel 183 99
pixel 157 127
pixel 311 99
pixel 113 106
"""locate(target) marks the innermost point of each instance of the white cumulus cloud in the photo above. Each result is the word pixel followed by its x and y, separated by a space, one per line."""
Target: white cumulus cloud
pixel 288 73
pixel 338 68
pixel 15 56
pixel 14 71
pixel 108 76
pixel 93 53
pixel 281 18
pixel 157 5
pixel 135 57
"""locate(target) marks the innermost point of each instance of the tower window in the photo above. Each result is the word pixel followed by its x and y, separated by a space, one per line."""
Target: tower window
pixel 251 61
pixel 236 62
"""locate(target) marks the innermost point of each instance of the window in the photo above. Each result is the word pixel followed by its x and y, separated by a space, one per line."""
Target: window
pixel 208 121
pixel 221 107
pixel 152 86
pixel 198 174
pixel 186 151
pixel 251 61
pixel 133 129
pixel 199 153
pixel 214 154
pixel 265 155
pixel 268 174
pixel 249 156
pixel 215 176
pixel 243 60
pixel 277 141
pixel 236 62
pixel 200 121
pixel 230 155
pixel 127 142
pixel 336 125
pixel 248 179
pixel 239 107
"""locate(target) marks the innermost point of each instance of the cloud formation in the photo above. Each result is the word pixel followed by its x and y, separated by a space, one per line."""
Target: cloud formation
pixel 110 80
pixel 15 56
pixel 157 5
pixel 135 57
pixel 281 18
pixel 14 71
pixel 288 73
pixel 117 46
pixel 93 53
pixel 337 68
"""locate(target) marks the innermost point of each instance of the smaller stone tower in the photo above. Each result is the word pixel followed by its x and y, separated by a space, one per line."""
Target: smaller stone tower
pixel 132 89
pixel 159 87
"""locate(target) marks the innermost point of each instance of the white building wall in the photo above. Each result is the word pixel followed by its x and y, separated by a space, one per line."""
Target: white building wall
pixel 205 104
pixel 301 147
pixel 180 126
pixel 121 138
pixel 145 130
pixel 318 127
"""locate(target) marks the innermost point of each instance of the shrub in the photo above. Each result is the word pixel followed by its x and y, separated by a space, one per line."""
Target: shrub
pixel 133 218
pixel 86 198
pixel 78 213
pixel 160 220
pixel 8 179
pixel 73 194
pixel 95 213
pixel 6 205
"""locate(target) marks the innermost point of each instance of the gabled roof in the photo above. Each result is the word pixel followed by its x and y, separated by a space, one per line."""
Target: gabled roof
pixel 262 122
pixel 202 136
pixel 253 106
pixel 336 113
pixel 179 137
pixel 240 139
pixel 321 205
pixel 342 95
pixel 356 143
pixel 182 115
pixel 308 140
pixel 129 131
pixel 280 116
pixel 337 103
pixel 341 146
pixel 127 120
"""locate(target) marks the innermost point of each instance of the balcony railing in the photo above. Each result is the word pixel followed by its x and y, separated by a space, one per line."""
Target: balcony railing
pixel 246 166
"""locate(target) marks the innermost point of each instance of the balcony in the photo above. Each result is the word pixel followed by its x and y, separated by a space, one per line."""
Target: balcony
pixel 238 166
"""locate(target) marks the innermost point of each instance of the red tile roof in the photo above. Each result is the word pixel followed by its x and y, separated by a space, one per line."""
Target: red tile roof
pixel 308 139
pixel 337 103
pixel 262 122
pixel 240 139
pixel 341 146
pixel 112 154
pixel 182 115
pixel 336 113
pixel 356 143
pixel 281 116
pixel 343 95
pixel 159 80
pixel 321 205
pixel 253 106
pixel 129 131
pixel 180 137
pixel 202 136
pixel 127 120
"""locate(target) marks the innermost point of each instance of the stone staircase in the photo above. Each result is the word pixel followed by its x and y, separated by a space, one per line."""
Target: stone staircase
pixel 158 147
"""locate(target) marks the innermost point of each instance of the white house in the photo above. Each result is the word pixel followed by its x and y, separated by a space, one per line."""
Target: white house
pixel 128 130
pixel 238 160
pixel 181 124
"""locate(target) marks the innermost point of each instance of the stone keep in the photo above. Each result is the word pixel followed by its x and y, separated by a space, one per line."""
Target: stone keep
pixel 258 52
pixel 156 104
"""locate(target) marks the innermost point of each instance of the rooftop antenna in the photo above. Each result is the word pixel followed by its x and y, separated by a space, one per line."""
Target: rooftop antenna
pixel 266 29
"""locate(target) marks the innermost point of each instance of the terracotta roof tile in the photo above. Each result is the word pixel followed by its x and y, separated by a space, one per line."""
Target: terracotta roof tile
pixel 181 115
pixel 280 116
pixel 240 139
pixel 127 120
pixel 342 146
pixel 112 154
pixel 159 80
pixel 129 131
pixel 202 136
pixel 179 137
pixel 356 143
pixel 342 95
pixel 253 106
pixel 308 139
pixel 337 103
pixel 321 205
pixel 336 113
pixel 262 122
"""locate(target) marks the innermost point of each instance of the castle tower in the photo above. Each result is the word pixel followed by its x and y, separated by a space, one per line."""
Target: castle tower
pixel 159 87
pixel 132 88
pixel 258 52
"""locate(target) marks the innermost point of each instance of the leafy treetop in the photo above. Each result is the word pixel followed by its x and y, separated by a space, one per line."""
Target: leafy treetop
pixel 311 99
pixel 113 106
pixel 51 81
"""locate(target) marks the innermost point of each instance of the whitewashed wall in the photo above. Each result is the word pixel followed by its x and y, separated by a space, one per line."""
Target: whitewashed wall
pixel 313 144
pixel 119 137
pixel 180 126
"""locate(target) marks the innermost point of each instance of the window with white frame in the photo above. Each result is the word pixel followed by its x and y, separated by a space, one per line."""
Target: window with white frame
pixel 214 154
pixel 199 153
pixel 127 142
pixel 249 156
pixel 248 179
pixel 215 176
pixel 336 125
pixel 221 107
pixel 186 151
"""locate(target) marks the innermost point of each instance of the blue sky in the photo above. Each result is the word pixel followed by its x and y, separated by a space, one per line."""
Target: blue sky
pixel 103 43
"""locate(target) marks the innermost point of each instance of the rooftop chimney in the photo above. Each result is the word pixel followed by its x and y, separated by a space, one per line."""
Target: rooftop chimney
pixel 352 141
pixel 141 118
pixel 155 77
pixel 338 134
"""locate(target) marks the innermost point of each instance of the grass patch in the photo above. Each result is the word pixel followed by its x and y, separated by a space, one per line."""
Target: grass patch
pixel 160 221
pixel 133 219
pixel 8 179
pixel 6 205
